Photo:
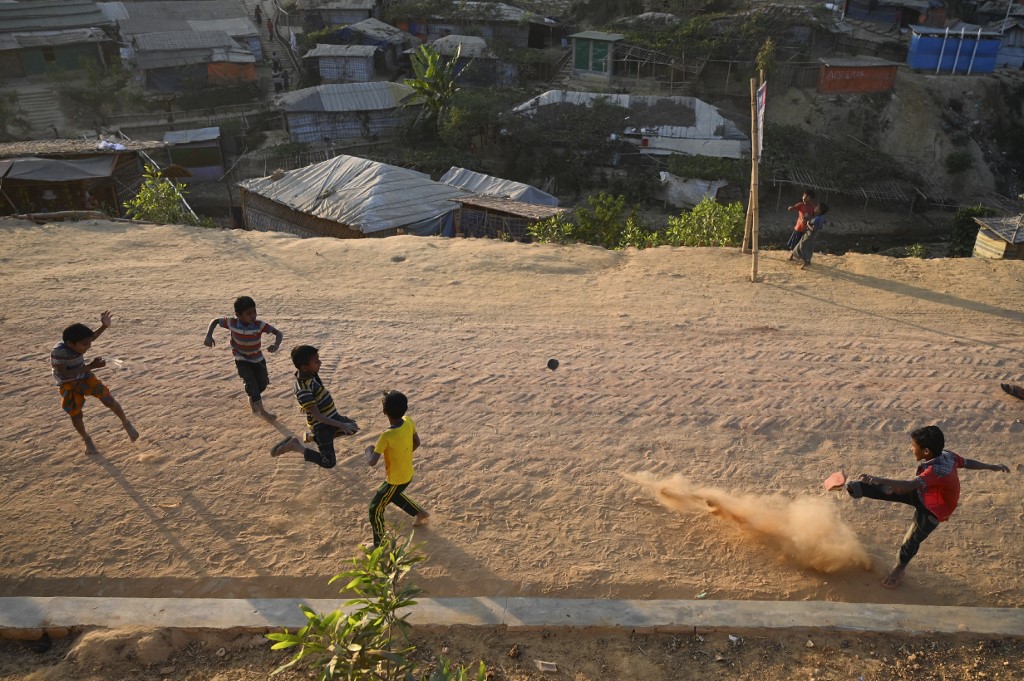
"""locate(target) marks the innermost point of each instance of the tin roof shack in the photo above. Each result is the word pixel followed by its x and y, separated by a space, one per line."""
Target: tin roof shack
pixel 345 111
pixel 1000 238
pixel 350 198
pixel 163 16
pixel 44 34
pixel 1011 51
pixel 57 175
pixel 944 51
pixel 197 151
pixel 488 185
pixel 181 60
pixel 593 54
pixel 477 64
pixel 495 21
pixel 393 42
pixel 319 14
pixel 343 63
pixel 660 126
pixel 841 75
pixel 499 218
pixel 898 13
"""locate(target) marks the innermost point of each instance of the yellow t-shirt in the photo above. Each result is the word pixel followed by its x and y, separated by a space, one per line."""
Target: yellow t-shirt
pixel 395 445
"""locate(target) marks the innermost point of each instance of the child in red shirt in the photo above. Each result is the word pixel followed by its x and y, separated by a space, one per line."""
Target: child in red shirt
pixel 805 210
pixel 934 492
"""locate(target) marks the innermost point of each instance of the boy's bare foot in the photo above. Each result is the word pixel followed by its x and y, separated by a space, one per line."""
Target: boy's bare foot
pixel 895 576
pixel 133 434
pixel 421 518
pixel 289 444
pixel 90 447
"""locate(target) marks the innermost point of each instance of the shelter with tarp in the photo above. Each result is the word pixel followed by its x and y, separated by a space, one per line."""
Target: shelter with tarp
pixel 393 42
pixel 488 185
pixel 593 53
pixel 38 36
pixel 350 198
pixel 178 60
pixel 55 175
pixel 501 218
pixel 477 63
pixel 1000 238
pixel 1011 49
pixel 513 26
pixel 345 111
pixel 319 14
pixel 197 151
pixel 343 63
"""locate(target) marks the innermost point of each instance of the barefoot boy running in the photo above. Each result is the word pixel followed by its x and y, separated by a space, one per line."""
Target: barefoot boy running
pixel 396 445
pixel 75 378
pixel 246 336
pixel 934 492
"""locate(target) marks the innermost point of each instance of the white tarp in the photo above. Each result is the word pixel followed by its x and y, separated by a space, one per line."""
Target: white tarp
pixel 684 192
pixel 364 195
pixel 478 183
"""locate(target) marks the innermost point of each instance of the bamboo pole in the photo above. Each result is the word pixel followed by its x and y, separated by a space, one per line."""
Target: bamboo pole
pixel 754 157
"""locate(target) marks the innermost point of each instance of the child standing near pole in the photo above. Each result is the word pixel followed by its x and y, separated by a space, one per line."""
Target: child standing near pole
pixel 396 445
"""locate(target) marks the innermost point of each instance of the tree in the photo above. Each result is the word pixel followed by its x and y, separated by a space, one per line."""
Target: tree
pixel 161 201
pixel 433 84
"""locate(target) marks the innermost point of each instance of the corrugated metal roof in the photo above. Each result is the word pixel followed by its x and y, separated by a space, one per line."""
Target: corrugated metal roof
pixel 381 31
pixel 134 18
pixel 471 45
pixel 189 136
pixel 598 35
pixel 342 51
pixel 1009 229
pixel 338 97
pixel 182 40
pixel 49 15
pixel 69 36
pixel 335 4
pixel 362 194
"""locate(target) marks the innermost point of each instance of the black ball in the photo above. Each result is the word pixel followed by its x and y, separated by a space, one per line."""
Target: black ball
pixel 552 364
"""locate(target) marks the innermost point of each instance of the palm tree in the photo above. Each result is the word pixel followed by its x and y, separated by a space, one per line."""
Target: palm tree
pixel 433 85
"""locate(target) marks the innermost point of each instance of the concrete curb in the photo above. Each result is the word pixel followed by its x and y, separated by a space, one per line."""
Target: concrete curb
pixel 29 617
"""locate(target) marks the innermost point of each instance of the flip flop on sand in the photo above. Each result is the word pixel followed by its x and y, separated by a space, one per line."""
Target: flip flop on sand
pixel 279 448
pixel 835 481
pixel 1013 390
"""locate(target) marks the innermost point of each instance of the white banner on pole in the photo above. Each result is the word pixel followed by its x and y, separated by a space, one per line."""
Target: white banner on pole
pixel 762 102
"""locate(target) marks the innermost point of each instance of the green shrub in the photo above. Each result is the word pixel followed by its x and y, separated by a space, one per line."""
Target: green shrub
pixel 965 230
pixel 162 201
pixel 916 251
pixel 709 224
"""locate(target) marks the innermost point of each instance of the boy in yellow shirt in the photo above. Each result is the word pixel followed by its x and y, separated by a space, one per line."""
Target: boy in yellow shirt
pixel 396 445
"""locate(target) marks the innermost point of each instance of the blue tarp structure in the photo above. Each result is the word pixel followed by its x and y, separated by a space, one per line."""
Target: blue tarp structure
pixel 942 50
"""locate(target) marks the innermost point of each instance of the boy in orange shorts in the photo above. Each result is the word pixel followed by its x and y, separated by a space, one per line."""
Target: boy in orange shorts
pixel 75 379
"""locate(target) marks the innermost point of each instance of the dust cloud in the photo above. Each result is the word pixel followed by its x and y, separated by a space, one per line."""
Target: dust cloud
pixel 805 529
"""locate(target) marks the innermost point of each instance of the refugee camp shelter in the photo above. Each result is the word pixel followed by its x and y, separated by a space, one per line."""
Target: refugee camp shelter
pixel 593 53
pixel 488 185
pixel 501 218
pixel 897 13
pixel 499 21
pixel 162 16
pixel 477 64
pixel 1011 50
pixel 941 50
pixel 179 60
pixel 345 111
pixel 659 126
pixel 45 34
pixel 842 74
pixel 1001 238
pixel 349 198
pixel 343 63
pixel 56 175
pixel 319 14
pixel 197 151
pixel 393 42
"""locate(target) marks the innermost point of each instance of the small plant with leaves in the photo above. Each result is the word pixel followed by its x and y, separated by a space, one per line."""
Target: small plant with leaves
pixel 162 201
pixel 916 251
pixel 367 638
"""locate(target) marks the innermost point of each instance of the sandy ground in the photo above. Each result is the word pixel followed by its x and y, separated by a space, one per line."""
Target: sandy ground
pixel 674 370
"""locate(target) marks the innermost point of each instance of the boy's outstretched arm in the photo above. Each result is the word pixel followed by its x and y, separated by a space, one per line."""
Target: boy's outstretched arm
pixel 278 337
pixel 974 465
pixel 208 341
pixel 105 318
pixel 349 428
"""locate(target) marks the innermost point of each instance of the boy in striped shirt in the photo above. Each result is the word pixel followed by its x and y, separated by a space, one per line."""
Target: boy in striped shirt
pixel 75 379
pixel 322 416
pixel 246 337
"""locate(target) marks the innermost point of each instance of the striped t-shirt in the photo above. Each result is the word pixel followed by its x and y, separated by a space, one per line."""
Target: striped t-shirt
pixel 245 338
pixel 66 364
pixel 310 390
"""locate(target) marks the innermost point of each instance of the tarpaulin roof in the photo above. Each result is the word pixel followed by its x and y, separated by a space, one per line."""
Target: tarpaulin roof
pixel 361 194
pixel 335 4
pixel 381 31
pixel 488 185
pixel 322 50
pixel 189 136
pixel 56 169
pixel 50 15
pixel 71 36
pixel 339 97
pixel 471 46
pixel 180 15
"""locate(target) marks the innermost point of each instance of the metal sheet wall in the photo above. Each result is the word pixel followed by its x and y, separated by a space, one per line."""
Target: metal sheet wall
pixel 836 79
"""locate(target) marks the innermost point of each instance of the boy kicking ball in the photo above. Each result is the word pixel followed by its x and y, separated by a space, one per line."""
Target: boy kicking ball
pixel 76 381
